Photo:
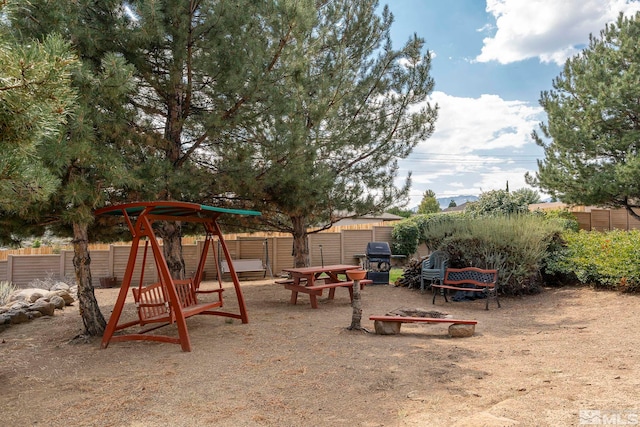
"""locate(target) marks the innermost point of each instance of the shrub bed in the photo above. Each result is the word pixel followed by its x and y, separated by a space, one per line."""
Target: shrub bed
pixel 608 260
pixel 515 245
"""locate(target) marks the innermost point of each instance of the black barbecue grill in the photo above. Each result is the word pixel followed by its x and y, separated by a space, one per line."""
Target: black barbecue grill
pixel 378 262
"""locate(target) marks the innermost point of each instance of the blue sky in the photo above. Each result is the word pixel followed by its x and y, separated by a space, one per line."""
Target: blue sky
pixel 491 60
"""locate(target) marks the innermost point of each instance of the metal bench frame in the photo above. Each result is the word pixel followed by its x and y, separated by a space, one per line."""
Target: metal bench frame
pixel 475 279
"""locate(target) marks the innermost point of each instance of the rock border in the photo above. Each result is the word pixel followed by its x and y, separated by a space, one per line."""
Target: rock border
pixel 31 303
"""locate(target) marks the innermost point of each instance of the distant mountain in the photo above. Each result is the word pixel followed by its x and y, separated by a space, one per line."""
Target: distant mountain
pixel 444 201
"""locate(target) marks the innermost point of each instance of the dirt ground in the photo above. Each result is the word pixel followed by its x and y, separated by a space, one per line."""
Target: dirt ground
pixel 553 359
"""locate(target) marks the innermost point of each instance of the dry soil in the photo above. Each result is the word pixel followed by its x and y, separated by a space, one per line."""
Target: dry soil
pixel 565 357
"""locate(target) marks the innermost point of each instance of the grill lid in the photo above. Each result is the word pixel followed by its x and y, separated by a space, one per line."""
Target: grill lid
pixel 378 250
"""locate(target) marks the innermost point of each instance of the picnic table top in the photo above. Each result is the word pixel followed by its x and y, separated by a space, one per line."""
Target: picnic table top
pixel 322 269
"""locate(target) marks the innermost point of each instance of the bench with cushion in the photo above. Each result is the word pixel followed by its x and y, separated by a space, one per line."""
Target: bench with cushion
pixel 469 279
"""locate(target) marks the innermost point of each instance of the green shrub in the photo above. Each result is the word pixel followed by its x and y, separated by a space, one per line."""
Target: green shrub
pixel 565 219
pixel 606 260
pixel 394 274
pixel 405 236
pixel 438 227
pixel 515 245
pixel 408 234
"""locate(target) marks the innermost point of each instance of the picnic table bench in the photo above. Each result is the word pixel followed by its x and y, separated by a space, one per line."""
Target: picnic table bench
pixel 316 289
pixel 468 279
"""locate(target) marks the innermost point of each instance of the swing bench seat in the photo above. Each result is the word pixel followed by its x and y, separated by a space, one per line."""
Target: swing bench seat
pixel 245 265
pixel 153 305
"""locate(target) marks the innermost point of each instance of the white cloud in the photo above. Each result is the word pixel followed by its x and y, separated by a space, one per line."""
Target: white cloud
pixel 551 30
pixel 489 122
pixel 479 144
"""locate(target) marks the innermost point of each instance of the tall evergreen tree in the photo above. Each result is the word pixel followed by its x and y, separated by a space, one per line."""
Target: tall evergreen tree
pixel 429 203
pixel 342 108
pixel 35 98
pixel 197 64
pixel 592 136
pixel 87 159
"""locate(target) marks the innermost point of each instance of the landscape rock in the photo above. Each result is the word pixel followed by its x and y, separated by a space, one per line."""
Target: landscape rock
pixel 68 298
pixel 19 305
pixel 18 316
pixel 31 303
pixel 35 296
pixel 58 302
pixel 60 286
pixel 25 294
pixel 386 328
pixel 44 307
pixel 34 314
pixel 458 330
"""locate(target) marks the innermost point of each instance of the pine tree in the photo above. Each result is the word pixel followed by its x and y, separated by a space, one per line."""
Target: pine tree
pixel 429 203
pixel 342 108
pixel 197 65
pixel 86 159
pixel 35 98
pixel 592 136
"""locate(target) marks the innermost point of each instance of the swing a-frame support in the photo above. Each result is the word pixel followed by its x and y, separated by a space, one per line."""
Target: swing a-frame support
pixel 169 300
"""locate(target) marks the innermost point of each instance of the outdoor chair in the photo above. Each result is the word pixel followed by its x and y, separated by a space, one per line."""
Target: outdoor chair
pixel 433 268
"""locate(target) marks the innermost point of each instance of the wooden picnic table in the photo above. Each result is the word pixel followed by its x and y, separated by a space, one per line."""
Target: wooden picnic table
pixel 313 280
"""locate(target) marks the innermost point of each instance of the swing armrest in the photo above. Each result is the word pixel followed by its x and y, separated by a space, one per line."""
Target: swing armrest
pixel 150 304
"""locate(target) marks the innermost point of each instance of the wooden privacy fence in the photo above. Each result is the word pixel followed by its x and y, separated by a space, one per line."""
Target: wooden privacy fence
pixel 606 219
pixel 325 248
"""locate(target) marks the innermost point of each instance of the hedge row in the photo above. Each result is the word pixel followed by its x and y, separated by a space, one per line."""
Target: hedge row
pixel 528 250
pixel 609 260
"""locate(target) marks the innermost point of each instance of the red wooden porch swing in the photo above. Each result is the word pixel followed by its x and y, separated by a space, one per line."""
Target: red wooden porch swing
pixel 169 300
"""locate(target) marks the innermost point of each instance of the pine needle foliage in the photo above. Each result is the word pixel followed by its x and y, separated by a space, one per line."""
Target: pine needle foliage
pixel 35 99
pixel 592 132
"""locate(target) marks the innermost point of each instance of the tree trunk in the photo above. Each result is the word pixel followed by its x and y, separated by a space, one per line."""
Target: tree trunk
pixel 356 314
pixel 92 318
pixel 300 243
pixel 171 233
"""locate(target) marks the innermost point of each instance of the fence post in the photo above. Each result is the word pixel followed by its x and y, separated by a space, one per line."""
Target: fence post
pixel 110 262
pixel 62 262
pixel 10 268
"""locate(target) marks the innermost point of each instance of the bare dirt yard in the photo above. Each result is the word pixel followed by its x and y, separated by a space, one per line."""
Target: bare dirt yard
pixel 565 357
